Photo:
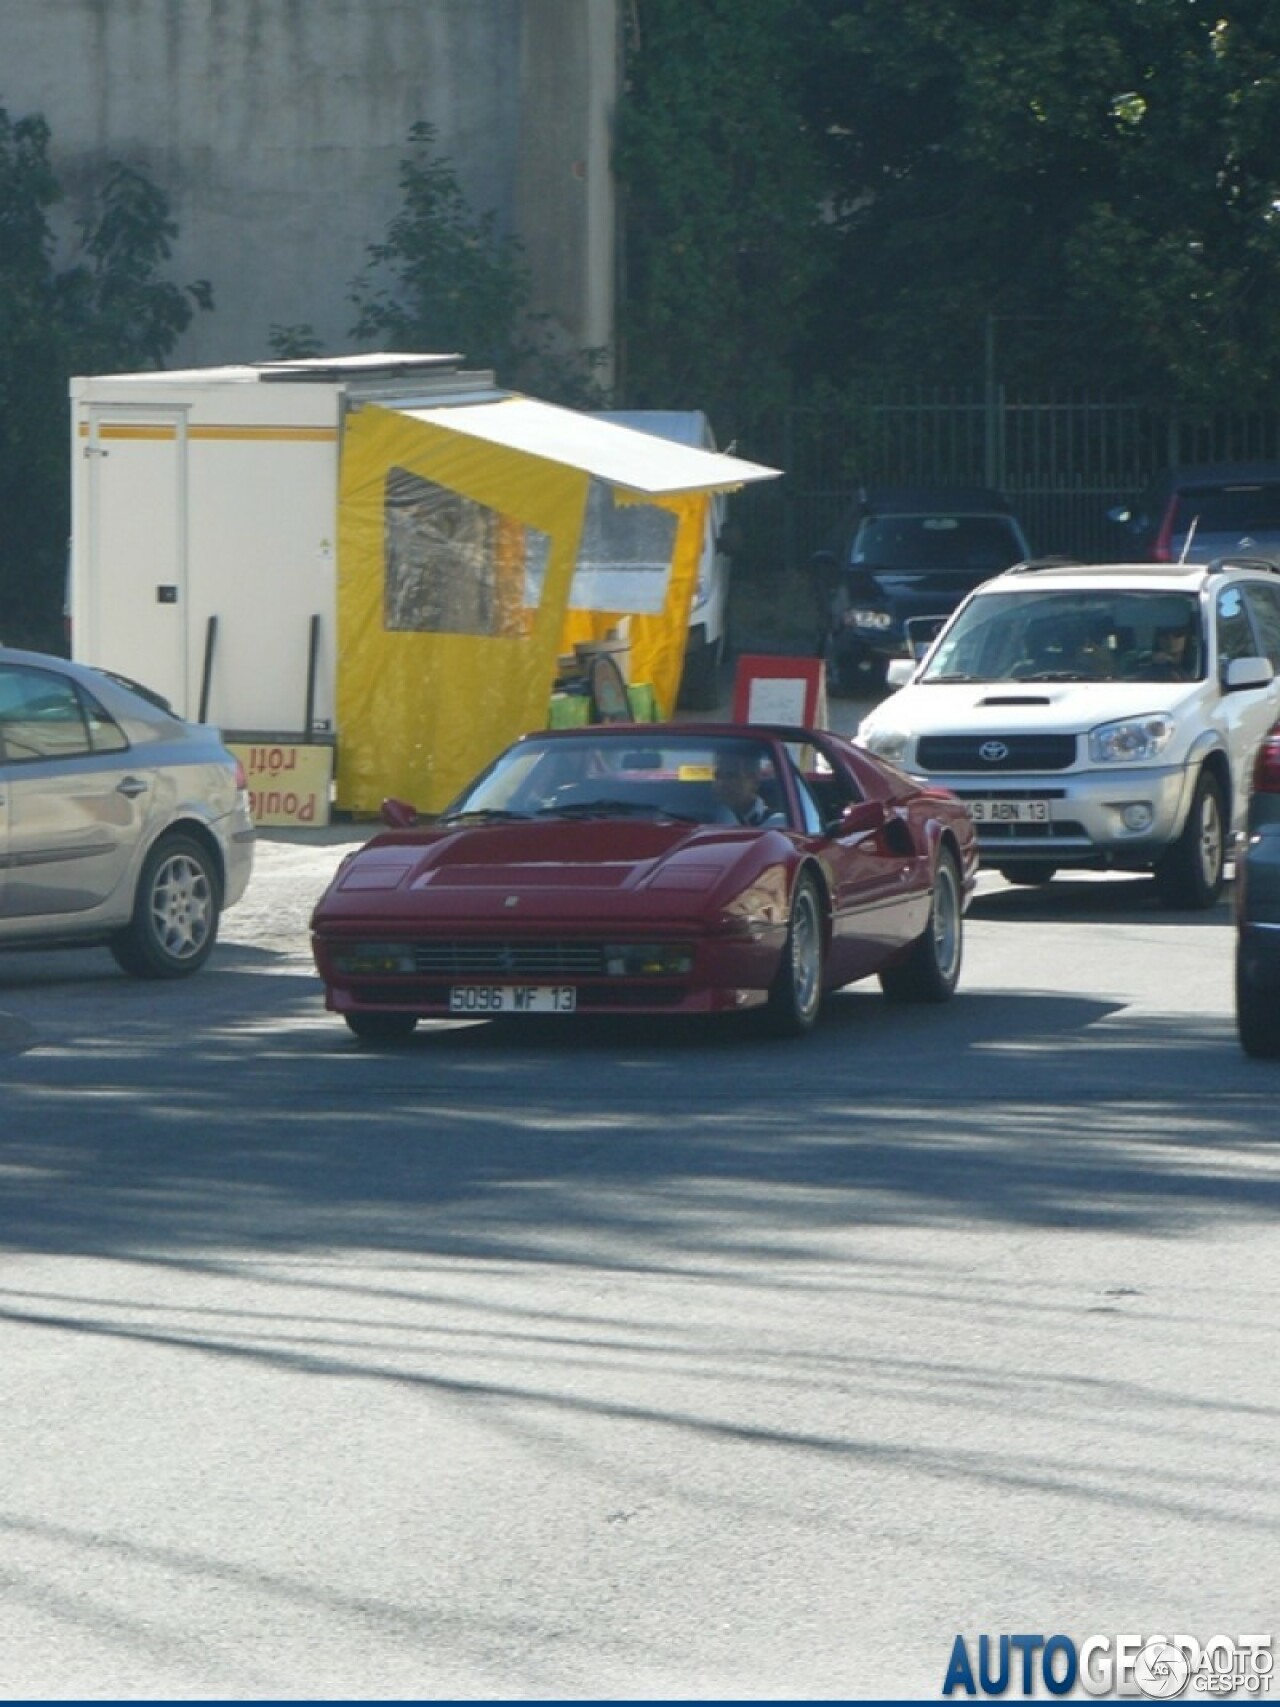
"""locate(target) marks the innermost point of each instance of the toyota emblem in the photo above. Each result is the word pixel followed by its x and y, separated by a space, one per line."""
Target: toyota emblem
pixel 992 752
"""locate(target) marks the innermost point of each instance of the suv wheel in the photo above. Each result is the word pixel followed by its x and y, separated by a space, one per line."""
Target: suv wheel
pixel 1190 874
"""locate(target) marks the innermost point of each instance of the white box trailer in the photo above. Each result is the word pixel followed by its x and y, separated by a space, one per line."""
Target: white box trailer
pixel 205 527
pixel 374 553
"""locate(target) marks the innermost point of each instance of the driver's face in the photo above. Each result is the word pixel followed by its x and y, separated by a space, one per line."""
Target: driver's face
pixel 735 784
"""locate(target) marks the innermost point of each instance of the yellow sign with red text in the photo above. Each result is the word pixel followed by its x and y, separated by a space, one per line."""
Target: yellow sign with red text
pixel 288 783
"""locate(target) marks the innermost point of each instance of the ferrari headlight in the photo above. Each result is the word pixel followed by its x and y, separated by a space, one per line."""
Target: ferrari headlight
pixel 373 959
pixel 1130 741
pixel 647 959
pixel 863 617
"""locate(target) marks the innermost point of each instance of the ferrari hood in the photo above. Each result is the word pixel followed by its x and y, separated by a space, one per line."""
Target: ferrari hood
pixel 557 866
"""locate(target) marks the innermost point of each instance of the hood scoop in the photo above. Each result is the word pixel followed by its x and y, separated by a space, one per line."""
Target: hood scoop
pixel 1016 699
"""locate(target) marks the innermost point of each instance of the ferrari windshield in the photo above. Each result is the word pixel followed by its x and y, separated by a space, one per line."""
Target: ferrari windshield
pixel 600 774
pixel 1060 635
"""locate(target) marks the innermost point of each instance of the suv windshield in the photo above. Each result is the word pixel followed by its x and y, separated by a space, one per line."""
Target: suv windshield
pixel 966 544
pixel 1073 636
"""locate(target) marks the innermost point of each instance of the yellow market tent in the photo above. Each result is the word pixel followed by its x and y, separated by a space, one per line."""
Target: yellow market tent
pixel 460 529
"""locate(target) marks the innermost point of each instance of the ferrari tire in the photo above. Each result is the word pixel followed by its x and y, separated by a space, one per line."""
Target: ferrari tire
pixel 382 1028
pixel 1190 875
pixel 795 997
pixel 1257 1014
pixel 931 970
pixel 175 912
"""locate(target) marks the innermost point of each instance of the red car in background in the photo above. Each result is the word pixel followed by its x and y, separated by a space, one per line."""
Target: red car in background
pixel 661 869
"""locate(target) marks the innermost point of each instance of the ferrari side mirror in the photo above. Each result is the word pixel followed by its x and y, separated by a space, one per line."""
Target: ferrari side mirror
pixel 862 818
pixel 399 814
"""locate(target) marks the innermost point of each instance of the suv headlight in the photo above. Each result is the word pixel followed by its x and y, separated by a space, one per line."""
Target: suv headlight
pixel 861 616
pixel 1130 741
pixel 888 744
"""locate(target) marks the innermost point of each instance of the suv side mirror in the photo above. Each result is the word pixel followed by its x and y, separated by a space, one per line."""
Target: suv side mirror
pixel 1247 673
pixel 900 672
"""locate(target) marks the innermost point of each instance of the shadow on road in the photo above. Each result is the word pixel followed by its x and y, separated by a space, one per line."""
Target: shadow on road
pixel 271 1126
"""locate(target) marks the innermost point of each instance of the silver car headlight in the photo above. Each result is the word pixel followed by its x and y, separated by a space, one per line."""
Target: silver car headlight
pixel 1131 740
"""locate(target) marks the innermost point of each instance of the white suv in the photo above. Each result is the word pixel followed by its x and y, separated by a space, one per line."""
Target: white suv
pixel 1097 716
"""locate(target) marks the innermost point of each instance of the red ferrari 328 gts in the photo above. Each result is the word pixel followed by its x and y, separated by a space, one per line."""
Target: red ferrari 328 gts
pixel 661 869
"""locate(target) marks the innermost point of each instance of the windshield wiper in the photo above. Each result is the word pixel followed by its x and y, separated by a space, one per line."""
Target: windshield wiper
pixel 954 676
pixel 1054 676
pixel 606 808
pixel 482 815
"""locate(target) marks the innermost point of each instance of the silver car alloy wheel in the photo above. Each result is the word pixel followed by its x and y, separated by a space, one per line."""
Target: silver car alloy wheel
pixel 182 905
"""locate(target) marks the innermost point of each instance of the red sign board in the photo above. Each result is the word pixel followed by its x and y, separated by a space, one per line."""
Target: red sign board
pixel 780 690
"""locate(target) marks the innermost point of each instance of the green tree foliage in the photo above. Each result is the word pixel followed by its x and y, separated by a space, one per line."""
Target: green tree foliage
pixel 444 278
pixel 1101 177
pixel 447 279
pixel 724 249
pixel 108 311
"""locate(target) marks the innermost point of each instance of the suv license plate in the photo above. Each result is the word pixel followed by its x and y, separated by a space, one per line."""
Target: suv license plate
pixel 1009 811
pixel 513 999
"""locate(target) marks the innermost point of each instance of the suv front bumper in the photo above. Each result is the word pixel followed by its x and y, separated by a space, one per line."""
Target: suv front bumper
pixel 1124 818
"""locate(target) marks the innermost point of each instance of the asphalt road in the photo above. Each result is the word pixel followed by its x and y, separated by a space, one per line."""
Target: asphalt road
pixel 584 1362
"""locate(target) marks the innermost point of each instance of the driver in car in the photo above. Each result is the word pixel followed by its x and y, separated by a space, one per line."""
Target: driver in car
pixel 1170 656
pixel 736 787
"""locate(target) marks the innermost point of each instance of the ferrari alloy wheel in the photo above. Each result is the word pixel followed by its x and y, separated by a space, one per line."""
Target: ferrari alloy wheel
pixel 1257 1014
pixel 175 912
pixel 1190 875
pixel 382 1028
pixel 796 996
pixel 931 970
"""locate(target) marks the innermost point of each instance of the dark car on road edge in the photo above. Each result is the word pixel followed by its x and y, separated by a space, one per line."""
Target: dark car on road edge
pixel 1257 903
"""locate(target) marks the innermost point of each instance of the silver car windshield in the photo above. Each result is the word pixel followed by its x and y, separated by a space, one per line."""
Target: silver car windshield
pixel 1055 635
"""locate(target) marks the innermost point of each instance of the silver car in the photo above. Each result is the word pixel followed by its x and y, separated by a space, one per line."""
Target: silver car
pixel 120 823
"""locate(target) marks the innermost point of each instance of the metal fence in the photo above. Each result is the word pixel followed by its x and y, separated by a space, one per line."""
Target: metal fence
pixel 1062 461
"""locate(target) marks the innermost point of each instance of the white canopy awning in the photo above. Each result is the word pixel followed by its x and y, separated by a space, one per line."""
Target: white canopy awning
pixel 633 461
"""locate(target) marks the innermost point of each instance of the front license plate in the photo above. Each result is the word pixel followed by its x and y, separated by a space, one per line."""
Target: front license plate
pixel 513 999
pixel 1009 811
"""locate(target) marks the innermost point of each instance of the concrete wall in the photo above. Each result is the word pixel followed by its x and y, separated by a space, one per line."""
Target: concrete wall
pixel 276 129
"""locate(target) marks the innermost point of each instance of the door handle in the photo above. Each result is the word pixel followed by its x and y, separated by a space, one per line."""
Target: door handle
pixel 131 786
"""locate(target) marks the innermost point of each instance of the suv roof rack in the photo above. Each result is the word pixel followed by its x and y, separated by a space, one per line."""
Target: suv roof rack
pixel 1030 564
pixel 1219 564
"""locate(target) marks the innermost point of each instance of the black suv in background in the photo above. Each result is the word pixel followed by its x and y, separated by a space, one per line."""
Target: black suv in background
pixel 1202 512
pixel 902 561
